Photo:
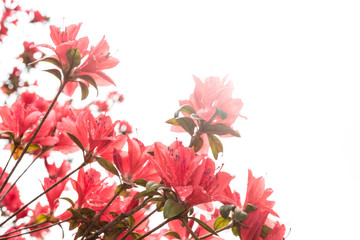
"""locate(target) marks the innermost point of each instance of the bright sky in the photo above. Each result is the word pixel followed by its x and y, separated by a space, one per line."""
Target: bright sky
pixel 295 65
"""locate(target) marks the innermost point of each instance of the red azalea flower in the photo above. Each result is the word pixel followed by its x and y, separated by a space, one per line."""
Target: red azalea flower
pixel 12 200
pixel 39 209
pixel 192 176
pixel 256 195
pixel 54 193
pixel 99 59
pixel 135 163
pixel 97 135
pixel 57 172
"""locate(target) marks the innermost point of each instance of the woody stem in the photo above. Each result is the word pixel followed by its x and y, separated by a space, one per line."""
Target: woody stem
pixel 7 163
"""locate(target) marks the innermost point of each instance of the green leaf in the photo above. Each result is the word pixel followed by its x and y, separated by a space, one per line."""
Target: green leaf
pixel 88 212
pixel 185 109
pixel 90 80
pixel 240 215
pixel 225 210
pixel 215 145
pixel 55 72
pixel 131 221
pixel 68 200
pixel 73 56
pixel 142 182
pixel 221 222
pixel 236 230
pixel 172 208
pixel 151 186
pixel 250 208
pixel 198 144
pixel 41 218
pixel 84 90
pixel 221 129
pixel 107 165
pixel 265 231
pixel 76 141
pixel 33 147
pixel 49 60
pixel 205 226
pixel 135 235
pixel 186 123
pixel 146 194
pixel 173 234
pixel 73 224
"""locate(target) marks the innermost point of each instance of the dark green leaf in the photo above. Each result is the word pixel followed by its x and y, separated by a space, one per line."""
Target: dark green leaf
pixel 49 60
pixel 151 185
pixel 76 141
pixel 68 200
pixel 131 221
pixel 73 56
pixel 221 129
pixel 250 208
pixel 90 80
pixel 173 234
pixel 107 165
pixel 146 194
pixel 205 226
pixel 215 145
pixel 142 182
pixel 172 208
pixel 221 222
pixel 55 72
pixel 84 90
pixel 198 144
pixel 73 224
pixel 239 215
pixel 225 210
pixel 186 123
pixel 185 109
pixel 265 231
pixel 88 212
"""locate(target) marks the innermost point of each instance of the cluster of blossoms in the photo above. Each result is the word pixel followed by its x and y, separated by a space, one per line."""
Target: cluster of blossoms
pixel 134 181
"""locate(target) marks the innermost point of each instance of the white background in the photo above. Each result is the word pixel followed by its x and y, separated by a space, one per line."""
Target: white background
pixel 295 65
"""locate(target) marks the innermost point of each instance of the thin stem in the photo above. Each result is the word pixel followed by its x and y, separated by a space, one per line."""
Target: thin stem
pixel 33 136
pixel 118 219
pixel 36 230
pixel 24 228
pixel 3 196
pixel 139 223
pixel 220 230
pixel 156 228
pixel 102 211
pixel 47 190
pixel 190 230
pixel 7 163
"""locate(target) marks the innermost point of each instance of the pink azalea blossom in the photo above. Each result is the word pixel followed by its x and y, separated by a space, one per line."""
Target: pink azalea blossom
pixel 193 177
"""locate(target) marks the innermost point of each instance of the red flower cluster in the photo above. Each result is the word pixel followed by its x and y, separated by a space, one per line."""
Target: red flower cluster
pixel 97 58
